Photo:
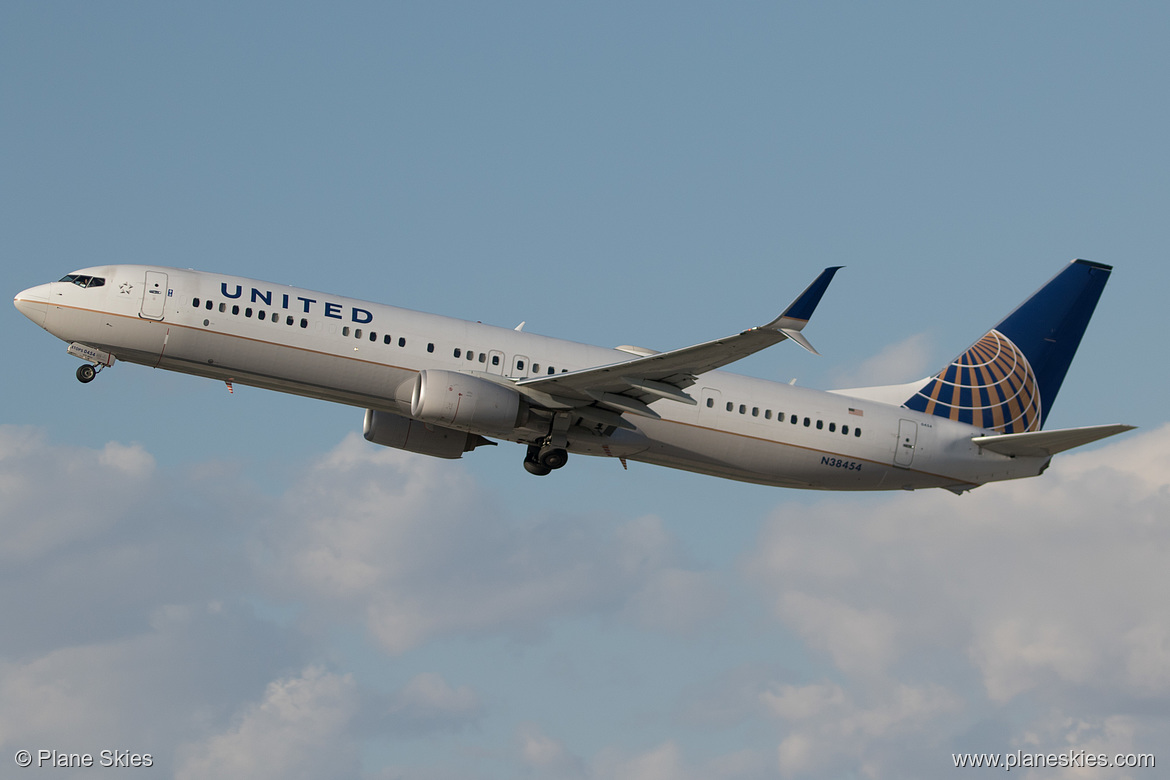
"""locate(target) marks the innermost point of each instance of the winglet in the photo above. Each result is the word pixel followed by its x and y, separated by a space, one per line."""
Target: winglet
pixel 800 311
pixel 799 338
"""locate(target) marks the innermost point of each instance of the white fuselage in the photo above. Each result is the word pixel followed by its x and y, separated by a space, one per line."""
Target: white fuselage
pixel 367 355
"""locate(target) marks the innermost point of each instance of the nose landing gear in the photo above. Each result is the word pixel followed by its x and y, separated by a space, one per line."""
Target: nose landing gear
pixel 95 360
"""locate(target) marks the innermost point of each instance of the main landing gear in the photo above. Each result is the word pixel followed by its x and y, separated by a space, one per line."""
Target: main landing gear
pixel 542 460
pixel 86 372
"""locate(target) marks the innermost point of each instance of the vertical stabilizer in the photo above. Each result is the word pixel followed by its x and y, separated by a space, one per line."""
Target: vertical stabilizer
pixel 1008 379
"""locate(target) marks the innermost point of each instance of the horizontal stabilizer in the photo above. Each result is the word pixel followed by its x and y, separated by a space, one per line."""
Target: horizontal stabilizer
pixel 1037 444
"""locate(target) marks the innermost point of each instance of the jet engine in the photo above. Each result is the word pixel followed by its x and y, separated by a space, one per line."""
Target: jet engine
pixel 392 430
pixel 467 402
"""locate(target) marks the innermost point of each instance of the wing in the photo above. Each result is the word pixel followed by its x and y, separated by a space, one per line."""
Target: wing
pixel 603 393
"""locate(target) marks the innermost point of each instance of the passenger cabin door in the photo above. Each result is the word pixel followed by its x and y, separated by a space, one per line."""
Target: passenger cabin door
pixel 907 441
pixel 154 295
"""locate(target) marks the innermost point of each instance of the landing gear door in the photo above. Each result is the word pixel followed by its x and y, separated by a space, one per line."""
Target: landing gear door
pixel 907 441
pixel 154 295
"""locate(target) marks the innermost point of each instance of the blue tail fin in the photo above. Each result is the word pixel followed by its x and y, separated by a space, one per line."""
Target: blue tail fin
pixel 1008 379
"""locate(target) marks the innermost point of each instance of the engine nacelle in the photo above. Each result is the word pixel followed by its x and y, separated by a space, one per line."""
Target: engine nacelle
pixel 392 430
pixel 467 402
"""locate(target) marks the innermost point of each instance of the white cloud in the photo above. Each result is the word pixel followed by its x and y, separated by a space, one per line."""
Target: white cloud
pixel 902 361
pixel 931 614
pixel 676 601
pixel 829 729
pixel 415 549
pixel 1048 591
pixel 428 703
pixel 664 762
pixel 132 460
pixel 861 642
pixel 1056 732
pixel 143 692
pixel 54 496
pixel 545 756
pixel 299 729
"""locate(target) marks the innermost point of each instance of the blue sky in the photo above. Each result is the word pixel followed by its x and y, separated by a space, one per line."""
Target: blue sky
pixel 238 586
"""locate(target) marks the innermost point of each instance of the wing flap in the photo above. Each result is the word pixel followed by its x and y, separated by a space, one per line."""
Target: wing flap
pixel 1035 444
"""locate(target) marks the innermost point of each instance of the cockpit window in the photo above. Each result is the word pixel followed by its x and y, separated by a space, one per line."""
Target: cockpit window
pixel 82 280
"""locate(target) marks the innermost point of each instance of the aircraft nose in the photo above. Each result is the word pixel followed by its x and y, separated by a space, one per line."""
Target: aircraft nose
pixel 33 303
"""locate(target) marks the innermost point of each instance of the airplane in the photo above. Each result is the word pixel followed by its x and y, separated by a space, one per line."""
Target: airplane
pixel 441 386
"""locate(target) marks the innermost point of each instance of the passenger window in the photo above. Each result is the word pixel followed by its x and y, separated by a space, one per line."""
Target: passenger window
pixel 794 419
pixel 401 342
pixel 755 411
pixel 260 314
pixel 551 370
pixel 730 406
pixel 357 333
pixel 222 307
pixel 742 408
pixel 236 310
pixel 495 360
pixel 779 416
pixel 519 365
pixel 386 339
pixel 344 330
pixel 470 355
pixel 195 302
pixel 845 429
pixel 458 352
pixel 767 414
pixel 807 422
pixel 304 323
pixel 373 336
pixel 430 347
pixel 832 427
pixel 856 431
pixel 288 320
pixel 209 304
pixel 248 312
pixel 710 403
pixel 820 425
pixel 536 368
pixel 482 358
